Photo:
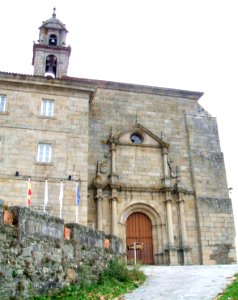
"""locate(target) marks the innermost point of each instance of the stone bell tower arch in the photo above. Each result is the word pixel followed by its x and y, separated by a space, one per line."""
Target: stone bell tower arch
pixel 50 53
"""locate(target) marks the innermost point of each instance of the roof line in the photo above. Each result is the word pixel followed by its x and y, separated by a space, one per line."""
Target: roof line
pixel 131 87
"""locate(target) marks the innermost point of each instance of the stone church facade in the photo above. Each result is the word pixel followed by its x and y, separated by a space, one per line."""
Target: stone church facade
pixel 147 159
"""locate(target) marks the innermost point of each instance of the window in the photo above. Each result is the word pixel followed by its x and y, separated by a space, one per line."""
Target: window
pixel 136 138
pixel 2 103
pixel 47 108
pixel 53 40
pixel 44 153
pixel 51 66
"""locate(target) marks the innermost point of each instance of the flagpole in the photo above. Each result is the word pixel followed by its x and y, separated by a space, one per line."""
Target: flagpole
pixel 61 196
pixel 77 200
pixel 76 214
pixel 46 195
pixel 27 198
pixel 29 192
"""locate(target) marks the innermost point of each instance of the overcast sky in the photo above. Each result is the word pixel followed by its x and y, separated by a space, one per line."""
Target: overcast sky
pixel 186 44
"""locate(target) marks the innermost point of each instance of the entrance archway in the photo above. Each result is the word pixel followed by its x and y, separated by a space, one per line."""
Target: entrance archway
pixel 139 229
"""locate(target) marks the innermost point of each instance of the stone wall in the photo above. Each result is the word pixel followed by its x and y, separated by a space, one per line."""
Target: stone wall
pixel 217 230
pixel 87 115
pixel 207 162
pixel 66 132
pixel 36 259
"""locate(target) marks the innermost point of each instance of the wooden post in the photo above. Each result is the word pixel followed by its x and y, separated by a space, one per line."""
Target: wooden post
pixel 135 253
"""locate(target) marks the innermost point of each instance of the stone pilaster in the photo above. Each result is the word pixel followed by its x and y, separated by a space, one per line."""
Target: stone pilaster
pixel 114 229
pixel 99 199
pixel 173 258
pixel 166 167
pixel 113 157
pixel 187 258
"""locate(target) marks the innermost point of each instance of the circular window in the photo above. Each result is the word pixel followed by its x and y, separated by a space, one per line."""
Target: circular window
pixel 136 138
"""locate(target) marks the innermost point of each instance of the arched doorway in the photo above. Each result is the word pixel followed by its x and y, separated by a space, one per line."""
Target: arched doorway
pixel 139 229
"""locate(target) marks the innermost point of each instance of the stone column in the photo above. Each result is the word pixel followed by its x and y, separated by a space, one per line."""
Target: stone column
pixel 113 152
pixel 165 163
pixel 114 214
pixel 184 237
pixel 169 220
pixel 165 156
pixel 173 258
pixel 99 200
pixel 182 220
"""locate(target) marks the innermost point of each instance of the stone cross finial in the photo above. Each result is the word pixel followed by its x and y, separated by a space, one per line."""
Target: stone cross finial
pixel 54 14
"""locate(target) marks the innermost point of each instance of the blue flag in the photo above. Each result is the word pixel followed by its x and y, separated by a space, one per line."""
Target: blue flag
pixel 77 194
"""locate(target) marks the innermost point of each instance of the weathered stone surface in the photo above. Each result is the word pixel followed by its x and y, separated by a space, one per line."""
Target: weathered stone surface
pixel 86 236
pixel 34 223
pixel 216 230
pixel 175 175
pixel 34 262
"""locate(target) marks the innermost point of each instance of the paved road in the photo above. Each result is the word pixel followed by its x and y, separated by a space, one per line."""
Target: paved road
pixel 183 282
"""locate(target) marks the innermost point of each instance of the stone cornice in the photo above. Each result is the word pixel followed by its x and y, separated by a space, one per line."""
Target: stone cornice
pixel 91 85
pixel 129 87
pixel 34 81
pixel 146 189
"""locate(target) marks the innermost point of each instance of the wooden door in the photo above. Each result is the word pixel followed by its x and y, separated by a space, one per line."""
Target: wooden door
pixel 139 229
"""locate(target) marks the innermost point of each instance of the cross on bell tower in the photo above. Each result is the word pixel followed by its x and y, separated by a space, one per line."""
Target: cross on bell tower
pixel 50 53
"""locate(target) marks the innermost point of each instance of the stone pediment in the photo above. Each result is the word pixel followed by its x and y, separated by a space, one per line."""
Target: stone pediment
pixel 138 135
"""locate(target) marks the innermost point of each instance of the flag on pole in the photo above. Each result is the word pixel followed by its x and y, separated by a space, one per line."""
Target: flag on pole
pixel 46 199
pixel 77 194
pixel 77 200
pixel 29 193
pixel 61 196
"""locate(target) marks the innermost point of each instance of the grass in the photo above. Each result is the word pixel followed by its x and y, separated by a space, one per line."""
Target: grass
pixel 113 282
pixel 231 292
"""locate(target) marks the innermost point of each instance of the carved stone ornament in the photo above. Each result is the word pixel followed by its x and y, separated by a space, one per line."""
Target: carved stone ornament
pixel 174 170
pixel 102 166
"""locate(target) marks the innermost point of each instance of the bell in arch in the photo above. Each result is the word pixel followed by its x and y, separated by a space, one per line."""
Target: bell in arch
pixel 50 67
pixel 53 40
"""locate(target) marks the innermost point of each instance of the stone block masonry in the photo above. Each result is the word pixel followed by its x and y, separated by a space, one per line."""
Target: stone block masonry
pixel 177 162
pixel 35 258
pixel 217 230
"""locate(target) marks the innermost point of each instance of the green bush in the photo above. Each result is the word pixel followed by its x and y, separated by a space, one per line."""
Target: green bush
pixel 136 275
pixel 115 280
pixel 115 270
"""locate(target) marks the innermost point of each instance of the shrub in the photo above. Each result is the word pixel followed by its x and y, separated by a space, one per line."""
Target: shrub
pixel 117 270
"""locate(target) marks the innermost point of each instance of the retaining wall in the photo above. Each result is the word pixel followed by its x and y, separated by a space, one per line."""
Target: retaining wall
pixel 36 259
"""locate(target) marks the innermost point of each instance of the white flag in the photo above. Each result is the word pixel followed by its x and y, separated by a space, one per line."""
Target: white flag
pixel 61 196
pixel 46 195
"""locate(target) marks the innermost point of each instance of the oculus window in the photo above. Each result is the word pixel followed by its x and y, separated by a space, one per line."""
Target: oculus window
pixel 136 138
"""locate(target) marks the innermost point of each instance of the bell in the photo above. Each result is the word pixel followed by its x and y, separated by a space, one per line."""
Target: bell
pixel 49 74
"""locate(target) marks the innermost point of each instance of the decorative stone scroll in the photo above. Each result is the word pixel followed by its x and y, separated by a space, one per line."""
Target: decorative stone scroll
pixel 102 166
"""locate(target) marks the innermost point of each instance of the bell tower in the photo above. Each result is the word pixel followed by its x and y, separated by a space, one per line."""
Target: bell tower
pixel 50 53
